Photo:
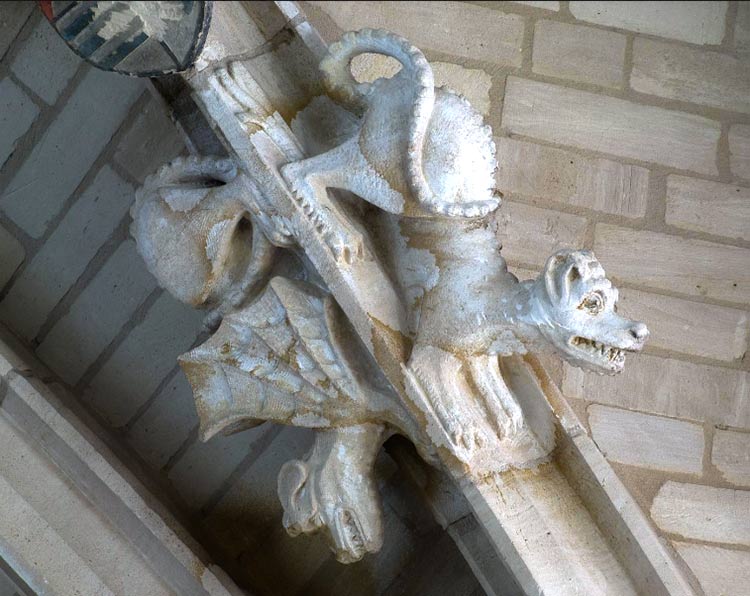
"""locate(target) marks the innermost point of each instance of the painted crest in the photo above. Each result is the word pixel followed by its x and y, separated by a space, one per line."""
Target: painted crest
pixel 137 38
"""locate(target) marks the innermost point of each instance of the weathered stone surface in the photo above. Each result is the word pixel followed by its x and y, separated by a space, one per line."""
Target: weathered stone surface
pixel 731 455
pixel 65 254
pixel 685 265
pixel 204 467
pixel 17 113
pixel 689 74
pixel 668 387
pixel 739 150
pixel 711 207
pixel 455 28
pixel 166 424
pixel 530 234
pixel 98 314
pixel 742 29
pixel 557 175
pixel 610 125
pixel 45 63
pixel 153 139
pixel 87 122
pixel 27 481
pixel 720 571
pixel 110 495
pixel 472 83
pixel 703 512
pixel 544 4
pixel 583 54
pixel 647 441
pixel 696 22
pixel 65 569
pixel 12 253
pixel 690 327
pixel 143 359
pixel 12 17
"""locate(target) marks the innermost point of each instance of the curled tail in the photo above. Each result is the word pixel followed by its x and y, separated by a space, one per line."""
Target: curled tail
pixel 415 70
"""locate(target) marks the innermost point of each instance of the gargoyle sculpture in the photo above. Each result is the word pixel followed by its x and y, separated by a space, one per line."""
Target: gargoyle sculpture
pixel 285 351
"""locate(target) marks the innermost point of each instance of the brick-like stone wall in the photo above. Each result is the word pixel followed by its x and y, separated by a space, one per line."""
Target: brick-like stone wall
pixel 623 127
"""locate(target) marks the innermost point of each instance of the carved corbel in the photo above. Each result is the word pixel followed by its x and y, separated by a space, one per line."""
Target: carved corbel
pixel 424 307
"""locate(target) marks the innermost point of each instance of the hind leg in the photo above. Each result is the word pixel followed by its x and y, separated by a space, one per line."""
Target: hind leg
pixel 334 489
pixel 343 167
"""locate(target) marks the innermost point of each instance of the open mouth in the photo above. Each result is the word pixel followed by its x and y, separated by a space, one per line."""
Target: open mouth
pixel 599 351
pixel 351 536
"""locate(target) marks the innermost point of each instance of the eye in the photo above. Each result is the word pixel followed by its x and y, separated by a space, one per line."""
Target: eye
pixel 593 303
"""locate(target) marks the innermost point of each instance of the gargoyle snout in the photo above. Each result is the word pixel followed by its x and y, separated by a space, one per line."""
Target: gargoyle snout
pixel 640 332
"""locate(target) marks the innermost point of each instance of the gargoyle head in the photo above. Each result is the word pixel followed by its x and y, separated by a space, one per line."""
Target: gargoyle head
pixel 194 233
pixel 574 307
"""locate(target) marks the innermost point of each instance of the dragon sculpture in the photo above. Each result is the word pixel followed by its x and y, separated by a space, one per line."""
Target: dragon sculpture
pixel 284 350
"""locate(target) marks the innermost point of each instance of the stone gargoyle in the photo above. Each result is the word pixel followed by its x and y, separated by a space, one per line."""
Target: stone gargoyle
pixel 417 165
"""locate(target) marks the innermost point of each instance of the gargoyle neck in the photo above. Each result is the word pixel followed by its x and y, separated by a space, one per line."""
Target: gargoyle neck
pixel 519 311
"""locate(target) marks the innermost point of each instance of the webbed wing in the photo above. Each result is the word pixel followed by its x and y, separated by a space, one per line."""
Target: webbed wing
pixel 273 360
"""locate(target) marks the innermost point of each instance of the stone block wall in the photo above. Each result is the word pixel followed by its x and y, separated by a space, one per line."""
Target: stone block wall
pixel 623 127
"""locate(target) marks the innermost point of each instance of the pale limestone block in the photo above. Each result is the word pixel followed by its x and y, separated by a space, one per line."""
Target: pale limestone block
pixel 720 571
pixel 691 327
pixel 13 254
pixel 696 22
pixel 647 441
pixel 455 28
pixel 12 17
pixel 98 314
pixel 558 175
pixel 143 359
pixel 731 455
pixel 153 139
pixel 473 83
pixel 17 114
pixel 66 253
pixel 685 265
pixel 45 63
pixel 72 441
pixel 742 29
pixel 739 150
pixel 711 207
pixel 703 512
pixel 164 426
pixel 62 568
pixel 610 125
pixel 583 54
pixel 669 387
pixel 553 5
pixel 530 234
pixel 87 122
pixel 688 74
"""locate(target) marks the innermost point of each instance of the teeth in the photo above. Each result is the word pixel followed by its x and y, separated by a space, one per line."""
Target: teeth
pixel 611 354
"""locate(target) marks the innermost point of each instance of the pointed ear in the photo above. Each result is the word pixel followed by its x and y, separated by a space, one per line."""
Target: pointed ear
pixel 561 272
pixel 552 281
pixel 292 478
